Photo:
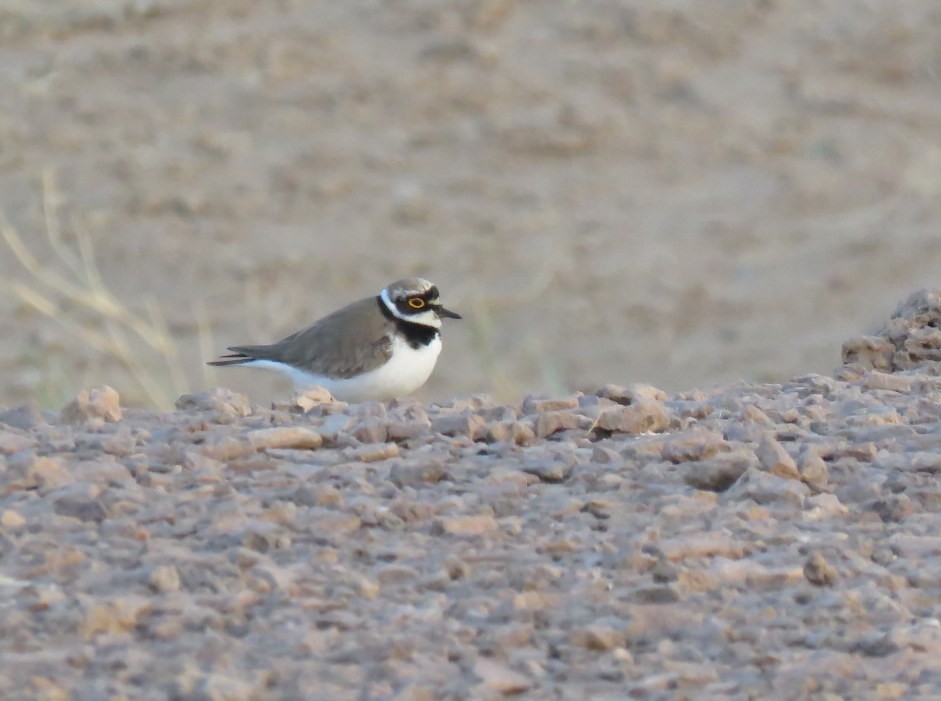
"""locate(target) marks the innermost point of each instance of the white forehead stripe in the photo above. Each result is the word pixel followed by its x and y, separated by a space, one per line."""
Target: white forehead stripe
pixel 389 305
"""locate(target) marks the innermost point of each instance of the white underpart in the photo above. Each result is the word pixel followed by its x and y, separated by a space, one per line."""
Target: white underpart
pixel 407 370
pixel 426 318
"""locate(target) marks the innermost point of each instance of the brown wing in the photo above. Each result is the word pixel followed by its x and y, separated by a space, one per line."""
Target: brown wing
pixel 351 340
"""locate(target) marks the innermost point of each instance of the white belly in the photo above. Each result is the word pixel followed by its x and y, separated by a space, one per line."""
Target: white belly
pixel 407 370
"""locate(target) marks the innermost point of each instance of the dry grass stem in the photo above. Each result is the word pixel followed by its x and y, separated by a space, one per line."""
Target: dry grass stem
pixel 118 332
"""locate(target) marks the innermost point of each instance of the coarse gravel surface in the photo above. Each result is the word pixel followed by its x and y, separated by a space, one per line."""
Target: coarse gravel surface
pixel 751 541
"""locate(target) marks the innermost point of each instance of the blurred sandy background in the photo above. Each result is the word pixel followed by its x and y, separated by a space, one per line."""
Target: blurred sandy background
pixel 680 192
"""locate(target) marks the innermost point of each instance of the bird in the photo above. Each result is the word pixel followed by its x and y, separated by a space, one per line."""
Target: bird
pixel 377 348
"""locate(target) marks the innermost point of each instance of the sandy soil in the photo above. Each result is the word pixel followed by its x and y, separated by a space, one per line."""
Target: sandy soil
pixel 753 541
pixel 678 193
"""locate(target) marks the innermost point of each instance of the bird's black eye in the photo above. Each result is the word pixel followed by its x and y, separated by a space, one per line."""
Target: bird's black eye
pixel 416 303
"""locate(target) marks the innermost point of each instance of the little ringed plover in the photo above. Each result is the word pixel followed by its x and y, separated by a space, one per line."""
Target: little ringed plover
pixel 378 348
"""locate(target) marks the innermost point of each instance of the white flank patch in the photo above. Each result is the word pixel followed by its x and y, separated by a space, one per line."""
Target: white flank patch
pixel 407 370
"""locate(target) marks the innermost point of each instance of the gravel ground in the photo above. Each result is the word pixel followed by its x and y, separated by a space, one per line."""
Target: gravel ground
pixel 750 541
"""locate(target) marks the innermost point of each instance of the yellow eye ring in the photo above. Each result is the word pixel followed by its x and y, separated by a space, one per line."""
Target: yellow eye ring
pixel 416 303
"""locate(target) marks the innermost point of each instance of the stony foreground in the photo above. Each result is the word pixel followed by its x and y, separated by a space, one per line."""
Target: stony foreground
pixel 752 541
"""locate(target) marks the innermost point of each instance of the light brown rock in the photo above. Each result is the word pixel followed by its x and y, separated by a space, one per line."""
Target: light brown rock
pixel 466 525
pixel 813 468
pixel 310 397
pixel 372 453
pixel 869 352
pixel 697 545
pixel 549 422
pixel 642 417
pixel 218 399
pixel 117 616
pixel 632 394
pixel 496 676
pixel 765 488
pixel 98 402
pixel 887 381
pixel 295 437
pixel 720 472
pixel 11 519
pixel 469 425
pixel 693 445
pixel 29 471
pixel 819 572
pixel 372 429
pixel 538 405
pixel 165 578
pixel 13 441
pixel 598 637
pixel 775 459
pixel 413 472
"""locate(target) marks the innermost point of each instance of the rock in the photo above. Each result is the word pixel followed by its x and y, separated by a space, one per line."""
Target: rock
pixel 11 519
pixel 371 430
pixel 662 594
pixel 605 456
pixel 754 415
pixel 226 447
pixel 885 381
pixel 397 573
pixel 664 571
pixel 14 441
pixel 598 637
pixel 823 506
pixel 539 405
pixel 294 437
pixel 720 472
pixel 813 469
pixel 522 434
pixel 869 352
pixel 23 417
pixel 893 508
pixel 700 545
pixel 548 468
pixel 414 472
pixel 219 399
pixel 165 578
pixel 96 403
pixel 499 432
pixel 634 394
pixel 819 572
pixel 910 339
pixel 117 616
pixel 693 445
pixel 308 398
pixel 500 678
pixel 405 430
pixel 466 525
pixel 634 419
pixel 550 422
pixel 29 471
pixel 372 453
pixel 765 488
pixel 469 425
pixel 84 509
pixel 775 459
pixel 335 428
pixel 414 692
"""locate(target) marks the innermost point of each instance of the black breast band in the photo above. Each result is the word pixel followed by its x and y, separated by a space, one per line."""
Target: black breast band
pixel 416 335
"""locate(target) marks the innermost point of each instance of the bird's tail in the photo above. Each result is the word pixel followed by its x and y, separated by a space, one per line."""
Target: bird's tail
pixel 231 359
